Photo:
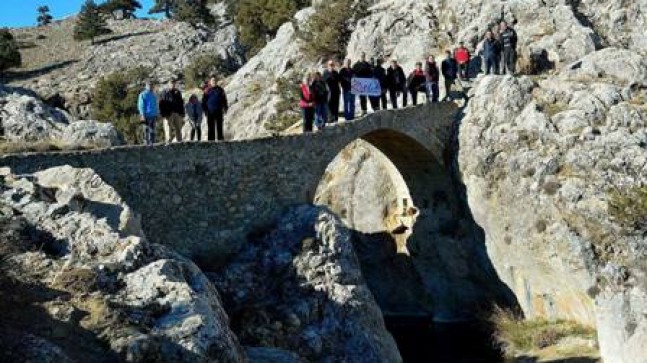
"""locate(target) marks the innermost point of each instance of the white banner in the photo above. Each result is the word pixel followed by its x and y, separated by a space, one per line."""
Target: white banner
pixel 365 87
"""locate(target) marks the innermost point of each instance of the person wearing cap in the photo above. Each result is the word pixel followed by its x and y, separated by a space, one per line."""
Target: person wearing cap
pixel 332 79
pixel 462 56
pixel 171 107
pixel 397 83
pixel 148 112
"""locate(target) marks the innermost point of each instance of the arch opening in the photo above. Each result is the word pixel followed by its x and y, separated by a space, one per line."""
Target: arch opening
pixel 419 248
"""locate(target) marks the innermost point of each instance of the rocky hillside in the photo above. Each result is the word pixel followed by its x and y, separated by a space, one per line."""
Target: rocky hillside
pixel 58 65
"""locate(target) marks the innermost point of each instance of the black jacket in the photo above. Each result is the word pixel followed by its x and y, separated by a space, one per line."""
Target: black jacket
pixel 345 77
pixel 380 73
pixel 395 78
pixel 171 102
pixel 363 69
pixel 431 72
pixel 509 38
pixel 214 100
pixel 449 67
pixel 332 79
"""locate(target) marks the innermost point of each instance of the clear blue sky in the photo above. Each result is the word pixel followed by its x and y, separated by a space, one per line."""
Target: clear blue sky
pixel 18 13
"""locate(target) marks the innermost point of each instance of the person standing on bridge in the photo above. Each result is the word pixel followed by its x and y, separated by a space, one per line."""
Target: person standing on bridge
pixel 332 79
pixel 171 106
pixel 193 110
pixel 321 96
pixel 148 112
pixel 462 56
pixel 433 75
pixel 449 67
pixel 397 84
pixel 491 49
pixel 307 103
pixel 345 79
pixel 363 69
pixel 416 82
pixel 214 105
pixel 379 73
pixel 508 38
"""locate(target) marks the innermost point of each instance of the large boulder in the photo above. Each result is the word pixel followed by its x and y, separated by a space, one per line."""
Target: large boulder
pixel 546 164
pixel 298 287
pixel 67 233
pixel 26 118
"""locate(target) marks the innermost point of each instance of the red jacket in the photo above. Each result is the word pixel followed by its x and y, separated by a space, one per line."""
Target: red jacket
pixel 306 97
pixel 462 55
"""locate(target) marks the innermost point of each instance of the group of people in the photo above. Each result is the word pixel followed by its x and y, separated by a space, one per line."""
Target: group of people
pixel 170 106
pixel 321 92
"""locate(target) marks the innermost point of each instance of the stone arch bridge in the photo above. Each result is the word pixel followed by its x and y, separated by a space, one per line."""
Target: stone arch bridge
pixel 204 199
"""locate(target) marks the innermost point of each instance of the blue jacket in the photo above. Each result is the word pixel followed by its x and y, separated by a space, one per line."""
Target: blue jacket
pixel 194 112
pixel 147 104
pixel 214 100
pixel 491 48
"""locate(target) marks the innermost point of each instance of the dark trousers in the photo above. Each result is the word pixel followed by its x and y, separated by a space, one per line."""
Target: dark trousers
pixel 308 118
pixel 491 64
pixel 349 105
pixel 362 103
pixel 215 120
pixel 149 130
pixel 414 95
pixel 375 102
pixel 385 102
pixel 509 60
pixel 462 70
pixel 196 131
pixel 333 105
pixel 449 82
pixel 393 94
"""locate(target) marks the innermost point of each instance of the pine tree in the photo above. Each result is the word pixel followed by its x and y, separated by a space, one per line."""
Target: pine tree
pixel 9 53
pixel 164 6
pixel 330 27
pixel 194 12
pixel 126 7
pixel 259 20
pixel 90 23
pixel 44 17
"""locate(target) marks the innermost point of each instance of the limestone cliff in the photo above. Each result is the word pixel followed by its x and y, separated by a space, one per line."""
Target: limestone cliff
pixel 548 165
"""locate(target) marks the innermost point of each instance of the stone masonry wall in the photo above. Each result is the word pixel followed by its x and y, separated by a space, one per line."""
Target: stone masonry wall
pixel 203 199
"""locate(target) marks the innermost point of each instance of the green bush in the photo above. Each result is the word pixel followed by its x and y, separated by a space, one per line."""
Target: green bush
pixel 204 66
pixel 259 20
pixel 190 11
pixel 628 207
pixel 329 29
pixel 9 53
pixel 287 109
pixel 115 100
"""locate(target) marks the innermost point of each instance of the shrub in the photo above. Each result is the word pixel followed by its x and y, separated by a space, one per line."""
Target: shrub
pixel 204 66
pixel 329 29
pixel 287 109
pixel 628 207
pixel 517 335
pixel 259 20
pixel 9 53
pixel 115 100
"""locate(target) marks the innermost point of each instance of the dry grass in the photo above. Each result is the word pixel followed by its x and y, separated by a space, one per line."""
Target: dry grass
pixel 12 147
pixel 628 206
pixel 539 337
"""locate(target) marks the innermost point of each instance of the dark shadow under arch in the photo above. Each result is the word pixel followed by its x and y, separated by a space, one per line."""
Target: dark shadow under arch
pixel 444 247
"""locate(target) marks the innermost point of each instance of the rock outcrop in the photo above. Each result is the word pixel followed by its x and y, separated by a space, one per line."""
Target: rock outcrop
pixel 548 164
pixel 75 255
pixel 24 117
pixel 298 287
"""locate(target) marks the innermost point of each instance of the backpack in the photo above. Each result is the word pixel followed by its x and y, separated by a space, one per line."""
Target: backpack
pixel 320 91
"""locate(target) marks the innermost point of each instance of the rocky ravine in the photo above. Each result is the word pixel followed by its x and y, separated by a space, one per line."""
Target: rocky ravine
pixel 542 160
pixel 80 282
